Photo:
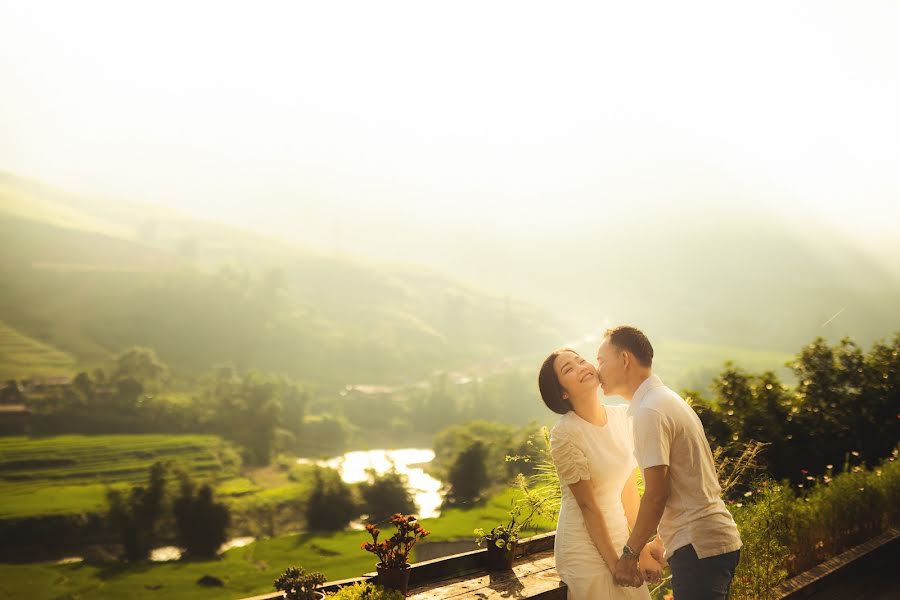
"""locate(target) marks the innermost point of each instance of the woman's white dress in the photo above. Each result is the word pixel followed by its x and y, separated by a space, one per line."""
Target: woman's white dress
pixel 605 456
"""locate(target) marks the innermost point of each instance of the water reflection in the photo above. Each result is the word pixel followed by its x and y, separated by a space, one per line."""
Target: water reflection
pixel 352 467
pixel 168 553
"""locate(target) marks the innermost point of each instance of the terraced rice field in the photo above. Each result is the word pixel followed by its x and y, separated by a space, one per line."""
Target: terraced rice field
pixel 22 356
pixel 70 474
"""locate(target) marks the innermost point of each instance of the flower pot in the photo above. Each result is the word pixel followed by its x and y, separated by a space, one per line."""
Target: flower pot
pixel 393 578
pixel 500 559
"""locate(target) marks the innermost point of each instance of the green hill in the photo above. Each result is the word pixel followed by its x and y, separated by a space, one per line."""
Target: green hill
pixel 22 356
pixel 72 278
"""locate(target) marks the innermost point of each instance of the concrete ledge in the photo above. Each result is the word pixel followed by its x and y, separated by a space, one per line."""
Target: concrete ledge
pixel 817 581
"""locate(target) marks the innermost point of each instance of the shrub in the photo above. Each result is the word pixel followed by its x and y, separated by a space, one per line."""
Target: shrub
pixel 331 505
pixel 200 521
pixel 298 584
pixel 365 591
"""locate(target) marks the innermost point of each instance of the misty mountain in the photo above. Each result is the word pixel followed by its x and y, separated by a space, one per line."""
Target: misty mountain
pixel 696 272
pixel 91 278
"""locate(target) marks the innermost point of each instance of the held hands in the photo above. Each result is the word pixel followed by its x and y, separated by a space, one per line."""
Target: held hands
pixel 627 572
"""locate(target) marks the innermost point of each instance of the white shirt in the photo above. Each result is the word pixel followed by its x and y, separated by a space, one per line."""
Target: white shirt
pixel 667 431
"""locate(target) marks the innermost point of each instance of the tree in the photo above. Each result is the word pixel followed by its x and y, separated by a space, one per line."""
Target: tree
pixel 11 393
pixel 134 517
pixel 201 523
pixel 468 475
pixel 143 365
pixel 384 495
pixel 247 411
pixel 330 506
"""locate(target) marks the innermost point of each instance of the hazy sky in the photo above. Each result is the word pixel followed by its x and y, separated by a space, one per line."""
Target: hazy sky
pixel 490 116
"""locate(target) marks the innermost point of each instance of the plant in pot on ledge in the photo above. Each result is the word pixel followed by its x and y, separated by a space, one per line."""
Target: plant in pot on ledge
pixel 393 553
pixel 300 585
pixel 501 541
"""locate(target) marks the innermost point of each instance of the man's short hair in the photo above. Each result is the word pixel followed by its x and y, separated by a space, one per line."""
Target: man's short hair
pixel 626 337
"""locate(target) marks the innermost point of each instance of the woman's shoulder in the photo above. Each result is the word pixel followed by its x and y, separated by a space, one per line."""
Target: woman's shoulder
pixel 565 426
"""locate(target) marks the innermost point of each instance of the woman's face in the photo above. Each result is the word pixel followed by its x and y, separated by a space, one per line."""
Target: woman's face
pixel 576 375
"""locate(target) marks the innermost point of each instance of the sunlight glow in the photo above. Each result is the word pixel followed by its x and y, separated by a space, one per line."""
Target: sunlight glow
pixel 449 117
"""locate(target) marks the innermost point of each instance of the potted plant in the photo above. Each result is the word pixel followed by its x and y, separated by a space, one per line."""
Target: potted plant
pixel 501 541
pixel 393 553
pixel 365 591
pixel 300 585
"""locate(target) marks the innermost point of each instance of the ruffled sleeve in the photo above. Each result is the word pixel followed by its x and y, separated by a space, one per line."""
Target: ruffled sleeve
pixel 568 455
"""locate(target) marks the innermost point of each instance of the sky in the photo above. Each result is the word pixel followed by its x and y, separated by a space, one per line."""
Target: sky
pixel 358 123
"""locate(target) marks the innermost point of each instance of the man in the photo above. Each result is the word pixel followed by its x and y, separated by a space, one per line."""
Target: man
pixel 682 492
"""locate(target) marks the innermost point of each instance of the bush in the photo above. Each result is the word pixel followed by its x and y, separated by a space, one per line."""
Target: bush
pixel 331 505
pixel 385 495
pixel 298 584
pixel 134 518
pixel 785 534
pixel 200 521
pixel 763 526
pixel 468 475
pixel 365 591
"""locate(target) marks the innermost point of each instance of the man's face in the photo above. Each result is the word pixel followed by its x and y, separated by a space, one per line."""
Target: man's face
pixel 610 368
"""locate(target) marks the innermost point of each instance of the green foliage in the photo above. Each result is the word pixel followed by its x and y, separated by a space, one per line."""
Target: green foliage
pixel 500 440
pixel 134 518
pixel 142 365
pixel 297 584
pixel 385 495
pixel 786 533
pixel 540 490
pixel 845 401
pixel 248 408
pixel 323 435
pixel 331 505
pixel 366 591
pixel 506 534
pixel 468 475
pixel 201 523
pixel 763 526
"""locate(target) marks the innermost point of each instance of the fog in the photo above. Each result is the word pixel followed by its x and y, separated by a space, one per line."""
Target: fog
pixel 609 162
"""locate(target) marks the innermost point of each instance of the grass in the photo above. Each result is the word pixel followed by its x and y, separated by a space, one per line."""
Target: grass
pixel 458 523
pixel 245 571
pixel 70 474
pixel 22 357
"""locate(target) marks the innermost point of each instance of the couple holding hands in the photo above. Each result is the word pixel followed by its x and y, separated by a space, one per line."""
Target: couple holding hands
pixel 605 545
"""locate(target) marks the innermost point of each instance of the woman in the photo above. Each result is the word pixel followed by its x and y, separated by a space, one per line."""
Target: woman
pixel 593 450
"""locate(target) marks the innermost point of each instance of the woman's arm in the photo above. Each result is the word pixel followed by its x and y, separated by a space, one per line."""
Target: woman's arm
pixel 594 521
pixel 631 500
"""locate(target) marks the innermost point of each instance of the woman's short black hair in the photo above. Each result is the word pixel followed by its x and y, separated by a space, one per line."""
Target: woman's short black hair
pixel 551 389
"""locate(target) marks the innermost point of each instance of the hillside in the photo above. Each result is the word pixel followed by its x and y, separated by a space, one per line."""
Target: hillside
pixel 87 279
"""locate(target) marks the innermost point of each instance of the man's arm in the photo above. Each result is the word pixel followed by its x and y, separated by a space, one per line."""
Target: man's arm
pixel 656 493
